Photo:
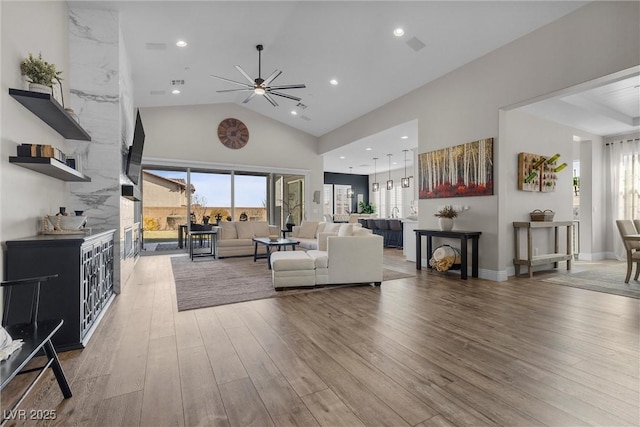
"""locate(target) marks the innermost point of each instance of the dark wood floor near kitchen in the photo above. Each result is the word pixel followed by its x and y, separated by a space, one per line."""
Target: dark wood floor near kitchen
pixel 426 351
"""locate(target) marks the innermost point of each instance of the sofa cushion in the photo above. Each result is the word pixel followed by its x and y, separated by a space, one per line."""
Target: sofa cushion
pixel 320 258
pixel 320 229
pixel 345 230
pixel 228 231
pixel 359 231
pixel 308 229
pixel 229 243
pixel 291 260
pixel 245 230
pixel 332 227
pixel 260 228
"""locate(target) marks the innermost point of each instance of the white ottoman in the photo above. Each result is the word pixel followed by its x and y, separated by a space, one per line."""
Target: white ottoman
pixel 292 269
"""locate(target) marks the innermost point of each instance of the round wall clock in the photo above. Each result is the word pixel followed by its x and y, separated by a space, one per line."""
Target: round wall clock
pixel 233 133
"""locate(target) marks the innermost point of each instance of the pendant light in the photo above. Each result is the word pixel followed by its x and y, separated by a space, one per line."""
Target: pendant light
pixel 405 181
pixel 389 181
pixel 375 186
pixel 350 189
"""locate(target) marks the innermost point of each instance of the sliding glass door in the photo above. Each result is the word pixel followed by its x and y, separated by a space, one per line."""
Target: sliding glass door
pixel 173 197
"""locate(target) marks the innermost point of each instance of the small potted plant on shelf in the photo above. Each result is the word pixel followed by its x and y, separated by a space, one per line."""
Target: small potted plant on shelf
pixel 446 216
pixel 40 73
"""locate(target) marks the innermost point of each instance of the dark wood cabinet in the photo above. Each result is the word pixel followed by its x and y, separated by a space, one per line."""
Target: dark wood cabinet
pixel 79 295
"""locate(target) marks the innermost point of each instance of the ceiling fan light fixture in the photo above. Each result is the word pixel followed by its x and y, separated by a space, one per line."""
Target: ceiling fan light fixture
pixel 398 32
pixel 259 91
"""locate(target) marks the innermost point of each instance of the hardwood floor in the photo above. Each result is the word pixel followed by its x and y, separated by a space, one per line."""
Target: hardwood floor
pixel 432 350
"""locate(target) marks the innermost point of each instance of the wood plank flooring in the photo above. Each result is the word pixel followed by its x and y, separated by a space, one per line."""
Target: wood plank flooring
pixel 432 350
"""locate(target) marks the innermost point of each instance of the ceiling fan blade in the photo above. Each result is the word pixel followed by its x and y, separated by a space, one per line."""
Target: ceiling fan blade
pixel 270 99
pixel 232 81
pixel 284 95
pixel 272 77
pixel 249 98
pixel 246 76
pixel 233 90
pixel 298 86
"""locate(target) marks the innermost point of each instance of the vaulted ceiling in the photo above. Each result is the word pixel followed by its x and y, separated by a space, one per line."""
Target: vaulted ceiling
pixel 313 42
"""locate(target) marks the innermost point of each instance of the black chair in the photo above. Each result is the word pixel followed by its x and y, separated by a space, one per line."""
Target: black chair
pixel 395 233
pixel 383 227
pixel 36 336
pixel 371 225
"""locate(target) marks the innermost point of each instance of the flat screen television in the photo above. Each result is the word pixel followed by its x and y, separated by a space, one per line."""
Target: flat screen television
pixel 134 158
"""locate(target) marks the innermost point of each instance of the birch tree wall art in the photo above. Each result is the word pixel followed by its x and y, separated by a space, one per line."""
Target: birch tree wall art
pixel 461 171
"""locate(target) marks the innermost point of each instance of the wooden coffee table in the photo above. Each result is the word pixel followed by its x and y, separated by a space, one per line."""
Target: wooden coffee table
pixel 279 243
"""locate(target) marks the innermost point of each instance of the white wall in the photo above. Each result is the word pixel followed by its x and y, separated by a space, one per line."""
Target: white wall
pixel 597 40
pixel 188 136
pixel 523 132
pixel 27 195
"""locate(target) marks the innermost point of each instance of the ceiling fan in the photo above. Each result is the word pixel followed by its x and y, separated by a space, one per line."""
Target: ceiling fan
pixel 261 86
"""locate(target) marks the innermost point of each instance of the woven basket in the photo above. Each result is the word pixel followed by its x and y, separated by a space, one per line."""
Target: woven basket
pixel 538 215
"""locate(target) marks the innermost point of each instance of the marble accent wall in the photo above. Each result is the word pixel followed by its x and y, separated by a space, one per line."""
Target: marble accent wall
pixel 101 95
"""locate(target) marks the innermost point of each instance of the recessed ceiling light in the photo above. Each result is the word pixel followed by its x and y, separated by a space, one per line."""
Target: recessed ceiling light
pixel 398 32
pixel 175 91
pixel 333 82
pixel 294 113
pixel 369 148
pixel 404 137
pixel 341 157
pixel 181 43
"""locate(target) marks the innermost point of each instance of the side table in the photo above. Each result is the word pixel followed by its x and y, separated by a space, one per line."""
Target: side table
pixel 464 236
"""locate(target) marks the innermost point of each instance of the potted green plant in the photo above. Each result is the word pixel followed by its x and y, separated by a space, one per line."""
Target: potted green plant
pixel 40 73
pixel 446 216
pixel 367 208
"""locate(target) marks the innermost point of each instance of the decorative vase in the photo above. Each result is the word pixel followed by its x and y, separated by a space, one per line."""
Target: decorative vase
pixel 446 224
pixel 36 87
pixel 289 222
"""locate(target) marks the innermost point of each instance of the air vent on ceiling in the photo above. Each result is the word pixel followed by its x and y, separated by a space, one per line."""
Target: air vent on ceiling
pixel 303 117
pixel 157 92
pixel 415 44
pixel 301 106
pixel 177 82
pixel 156 46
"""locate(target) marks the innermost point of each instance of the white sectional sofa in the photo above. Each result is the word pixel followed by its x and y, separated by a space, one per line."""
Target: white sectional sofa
pixel 353 255
pixel 308 233
pixel 235 238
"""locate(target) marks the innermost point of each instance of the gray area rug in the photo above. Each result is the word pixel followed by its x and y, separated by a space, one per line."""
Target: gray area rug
pixel 609 280
pixel 207 282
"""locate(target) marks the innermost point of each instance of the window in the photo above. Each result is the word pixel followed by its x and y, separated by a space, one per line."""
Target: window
pixel 342 204
pixel 327 208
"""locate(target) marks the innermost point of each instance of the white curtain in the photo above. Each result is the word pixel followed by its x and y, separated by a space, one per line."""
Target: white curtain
pixel 624 166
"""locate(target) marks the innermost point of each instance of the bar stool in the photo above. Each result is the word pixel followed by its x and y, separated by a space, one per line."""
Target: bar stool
pixel 395 233
pixel 383 226
pixel 371 225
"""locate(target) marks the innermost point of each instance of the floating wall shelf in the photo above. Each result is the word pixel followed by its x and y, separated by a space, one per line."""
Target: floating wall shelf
pixel 51 167
pixel 51 112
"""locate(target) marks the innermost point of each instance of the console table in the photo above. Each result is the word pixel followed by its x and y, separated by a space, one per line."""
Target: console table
pixel 464 237
pixel 81 292
pixel 532 260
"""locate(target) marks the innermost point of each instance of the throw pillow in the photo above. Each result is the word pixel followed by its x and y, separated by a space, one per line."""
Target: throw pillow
pixel 332 227
pixel 359 231
pixel 260 228
pixel 228 230
pixel 345 230
pixel 320 228
pixel 308 229
pixel 245 230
